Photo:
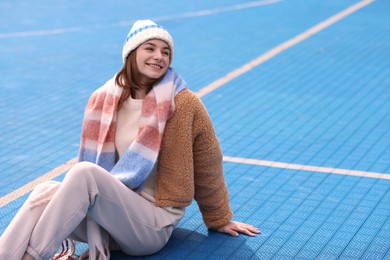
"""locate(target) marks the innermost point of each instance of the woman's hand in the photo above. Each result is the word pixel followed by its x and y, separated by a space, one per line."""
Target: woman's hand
pixel 234 228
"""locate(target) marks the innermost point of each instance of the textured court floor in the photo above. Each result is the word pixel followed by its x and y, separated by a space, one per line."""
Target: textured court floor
pixel 298 90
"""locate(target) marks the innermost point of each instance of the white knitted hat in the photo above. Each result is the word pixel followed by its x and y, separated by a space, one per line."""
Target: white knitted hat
pixel 142 31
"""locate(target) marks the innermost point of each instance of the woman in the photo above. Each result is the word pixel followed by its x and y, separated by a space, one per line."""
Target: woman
pixel 147 149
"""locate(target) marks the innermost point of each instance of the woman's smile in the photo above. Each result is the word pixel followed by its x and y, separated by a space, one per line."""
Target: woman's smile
pixel 154 66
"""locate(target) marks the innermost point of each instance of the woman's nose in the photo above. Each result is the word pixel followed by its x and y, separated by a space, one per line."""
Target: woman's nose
pixel 157 55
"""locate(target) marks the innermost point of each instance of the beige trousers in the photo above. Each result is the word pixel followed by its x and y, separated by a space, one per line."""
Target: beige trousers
pixel 92 206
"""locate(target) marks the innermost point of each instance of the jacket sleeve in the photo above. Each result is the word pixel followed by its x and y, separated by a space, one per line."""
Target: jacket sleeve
pixel 190 163
pixel 211 191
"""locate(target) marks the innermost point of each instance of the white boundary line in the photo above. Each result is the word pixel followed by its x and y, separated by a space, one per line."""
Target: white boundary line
pixel 218 83
pixel 39 33
pixel 218 10
pixel 129 23
pixel 31 185
pixel 278 49
pixel 303 167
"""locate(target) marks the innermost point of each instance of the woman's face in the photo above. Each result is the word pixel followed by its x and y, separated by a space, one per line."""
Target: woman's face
pixel 153 58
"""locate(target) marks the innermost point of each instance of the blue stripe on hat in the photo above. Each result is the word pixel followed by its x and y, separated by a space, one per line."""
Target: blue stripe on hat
pixel 131 34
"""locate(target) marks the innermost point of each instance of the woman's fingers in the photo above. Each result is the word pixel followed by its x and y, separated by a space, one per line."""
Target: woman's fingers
pixel 234 228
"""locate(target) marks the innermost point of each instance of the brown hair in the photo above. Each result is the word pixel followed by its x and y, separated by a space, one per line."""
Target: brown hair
pixel 128 78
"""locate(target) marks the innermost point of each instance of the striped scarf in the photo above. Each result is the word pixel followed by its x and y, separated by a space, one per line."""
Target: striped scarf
pixel 99 126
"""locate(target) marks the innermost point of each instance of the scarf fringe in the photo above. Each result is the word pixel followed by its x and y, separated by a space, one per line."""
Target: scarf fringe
pixel 68 247
pixel 98 241
pixel 99 253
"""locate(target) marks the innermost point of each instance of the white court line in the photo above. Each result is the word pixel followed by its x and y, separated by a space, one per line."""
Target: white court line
pixel 218 83
pixel 304 167
pixel 217 10
pixel 31 185
pixel 278 49
pixel 39 33
pixel 129 23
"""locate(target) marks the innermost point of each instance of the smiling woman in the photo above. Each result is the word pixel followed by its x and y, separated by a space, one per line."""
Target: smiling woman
pixel 148 148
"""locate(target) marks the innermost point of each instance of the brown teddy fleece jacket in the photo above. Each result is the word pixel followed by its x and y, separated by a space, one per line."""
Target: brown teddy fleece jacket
pixel 190 163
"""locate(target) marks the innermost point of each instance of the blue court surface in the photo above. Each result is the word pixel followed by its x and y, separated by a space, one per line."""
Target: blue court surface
pixel 298 91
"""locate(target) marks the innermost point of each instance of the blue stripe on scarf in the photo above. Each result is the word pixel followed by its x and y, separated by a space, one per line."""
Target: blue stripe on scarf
pixel 132 169
pixel 171 76
pixel 104 160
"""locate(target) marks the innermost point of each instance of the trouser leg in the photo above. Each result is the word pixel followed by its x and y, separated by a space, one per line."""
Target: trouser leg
pixel 135 224
pixel 15 239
